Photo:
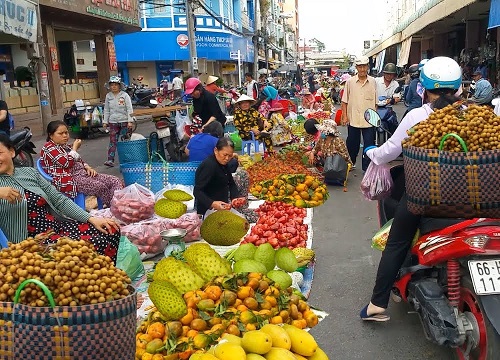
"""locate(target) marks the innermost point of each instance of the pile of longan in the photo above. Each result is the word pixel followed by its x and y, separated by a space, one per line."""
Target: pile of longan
pixel 71 269
pixel 477 125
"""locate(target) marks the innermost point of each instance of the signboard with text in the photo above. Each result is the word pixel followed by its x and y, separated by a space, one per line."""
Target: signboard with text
pixel 19 19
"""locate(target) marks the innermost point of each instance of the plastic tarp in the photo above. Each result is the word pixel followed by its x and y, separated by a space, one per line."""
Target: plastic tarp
pixel 494 20
pixel 404 53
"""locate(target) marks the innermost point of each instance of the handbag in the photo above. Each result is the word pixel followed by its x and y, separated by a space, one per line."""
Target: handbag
pixel 335 170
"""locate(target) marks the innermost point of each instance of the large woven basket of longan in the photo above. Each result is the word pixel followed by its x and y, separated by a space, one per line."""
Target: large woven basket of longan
pixel 452 163
pixel 64 301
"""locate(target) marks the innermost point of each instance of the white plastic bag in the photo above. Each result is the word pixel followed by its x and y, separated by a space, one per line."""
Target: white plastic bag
pixel 96 116
pixel 182 119
pixel 132 204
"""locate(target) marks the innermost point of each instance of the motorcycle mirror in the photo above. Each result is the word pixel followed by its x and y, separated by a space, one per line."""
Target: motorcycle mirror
pixel 372 117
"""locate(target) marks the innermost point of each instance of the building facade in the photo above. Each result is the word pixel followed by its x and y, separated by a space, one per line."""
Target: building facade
pixel 222 29
pixel 460 29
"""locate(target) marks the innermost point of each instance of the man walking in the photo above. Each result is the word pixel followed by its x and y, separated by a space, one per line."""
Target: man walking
pixel 177 85
pixel 251 86
pixel 484 91
pixel 360 93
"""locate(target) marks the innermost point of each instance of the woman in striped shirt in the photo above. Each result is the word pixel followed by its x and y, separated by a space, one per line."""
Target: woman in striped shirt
pixel 30 205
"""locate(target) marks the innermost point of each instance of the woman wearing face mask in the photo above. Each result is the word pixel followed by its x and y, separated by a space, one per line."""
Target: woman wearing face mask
pixel 28 202
pixel 214 186
pixel 70 174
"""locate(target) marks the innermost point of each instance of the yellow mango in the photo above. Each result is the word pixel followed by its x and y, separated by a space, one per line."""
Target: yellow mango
pixel 303 343
pixel 255 357
pixel 256 341
pixel 279 354
pixel 318 355
pixel 279 336
pixel 232 339
pixel 229 351
pixel 206 357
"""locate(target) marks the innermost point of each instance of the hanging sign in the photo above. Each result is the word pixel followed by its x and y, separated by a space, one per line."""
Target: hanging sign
pixel 53 58
pixel 113 65
pixel 19 18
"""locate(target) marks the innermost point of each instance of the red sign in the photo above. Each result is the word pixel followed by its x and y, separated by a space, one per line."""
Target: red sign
pixel 53 59
pixel 182 40
pixel 113 65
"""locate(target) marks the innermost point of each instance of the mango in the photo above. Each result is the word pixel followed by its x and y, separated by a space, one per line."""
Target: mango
pixel 196 356
pixel 229 351
pixel 279 336
pixel 299 357
pixel 232 339
pixel 319 354
pixel 255 357
pixel 154 345
pixel 256 341
pixel 279 354
pixel 303 343
pixel 206 357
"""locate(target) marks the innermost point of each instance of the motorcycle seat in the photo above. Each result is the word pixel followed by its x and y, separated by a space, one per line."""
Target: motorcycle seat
pixel 15 138
pixel 428 225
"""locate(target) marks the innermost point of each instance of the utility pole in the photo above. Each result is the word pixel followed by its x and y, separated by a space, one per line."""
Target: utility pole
pixel 190 20
pixel 304 53
pixel 255 40
pixel 40 59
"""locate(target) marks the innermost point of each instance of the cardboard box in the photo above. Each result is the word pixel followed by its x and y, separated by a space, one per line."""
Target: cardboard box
pixel 12 92
pixel 67 104
pixel 13 102
pixel 17 111
pixel 29 100
pixel 33 109
pixel 24 91
pixel 32 91
pixel 90 94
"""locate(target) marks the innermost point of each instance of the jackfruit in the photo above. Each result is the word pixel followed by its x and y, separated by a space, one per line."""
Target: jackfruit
pixel 170 209
pixel 177 195
pixel 178 274
pixel 206 262
pixel 167 299
pixel 223 228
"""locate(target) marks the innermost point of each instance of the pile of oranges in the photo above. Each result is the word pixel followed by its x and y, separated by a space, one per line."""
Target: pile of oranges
pixel 299 190
pixel 232 304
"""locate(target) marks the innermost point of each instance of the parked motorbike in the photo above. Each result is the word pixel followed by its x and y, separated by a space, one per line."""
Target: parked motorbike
pixel 451 278
pixel 167 130
pixel 387 121
pixel 141 95
pixel 24 147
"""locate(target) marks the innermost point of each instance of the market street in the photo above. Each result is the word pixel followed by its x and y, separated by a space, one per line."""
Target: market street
pixel 344 274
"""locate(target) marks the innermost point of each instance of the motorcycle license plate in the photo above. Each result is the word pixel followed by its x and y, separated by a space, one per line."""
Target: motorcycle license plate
pixel 485 276
pixel 163 133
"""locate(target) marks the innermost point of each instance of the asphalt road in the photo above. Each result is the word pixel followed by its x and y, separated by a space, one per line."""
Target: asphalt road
pixel 344 275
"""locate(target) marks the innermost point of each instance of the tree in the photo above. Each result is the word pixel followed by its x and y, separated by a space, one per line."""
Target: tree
pixel 345 63
pixel 321 46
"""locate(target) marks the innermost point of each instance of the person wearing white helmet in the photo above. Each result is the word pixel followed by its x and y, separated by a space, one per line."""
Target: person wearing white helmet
pixel 117 115
pixel 415 95
pixel 440 77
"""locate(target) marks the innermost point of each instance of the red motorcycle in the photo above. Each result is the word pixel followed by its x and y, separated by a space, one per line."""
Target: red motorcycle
pixel 451 278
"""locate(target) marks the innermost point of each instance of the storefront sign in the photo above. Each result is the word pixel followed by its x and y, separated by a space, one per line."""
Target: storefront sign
pixel 53 59
pixel 113 65
pixel 18 18
pixel 182 40
pixel 112 15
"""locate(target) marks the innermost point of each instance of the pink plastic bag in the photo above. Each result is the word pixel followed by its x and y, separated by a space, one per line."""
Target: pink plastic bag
pixel 132 204
pixel 377 182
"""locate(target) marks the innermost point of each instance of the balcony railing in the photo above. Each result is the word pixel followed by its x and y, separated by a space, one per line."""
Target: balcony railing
pixel 246 22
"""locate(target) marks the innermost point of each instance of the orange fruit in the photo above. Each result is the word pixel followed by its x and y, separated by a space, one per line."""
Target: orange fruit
pixel 247 317
pixel 304 195
pixel 276 320
pixel 156 330
pixel 272 300
pixel 244 292
pixel 311 319
pixel 250 327
pixel 192 333
pixel 198 324
pixel 266 305
pixel 186 319
pixel 143 340
pixel 251 303
pixel 242 307
pixel 301 324
pixel 233 329
pixel 213 292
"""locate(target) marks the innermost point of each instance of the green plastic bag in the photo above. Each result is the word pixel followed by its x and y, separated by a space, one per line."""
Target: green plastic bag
pixel 235 138
pixel 129 259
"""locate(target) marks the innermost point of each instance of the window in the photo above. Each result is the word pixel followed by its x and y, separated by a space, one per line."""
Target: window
pixel 199 21
pixel 210 22
pixel 159 7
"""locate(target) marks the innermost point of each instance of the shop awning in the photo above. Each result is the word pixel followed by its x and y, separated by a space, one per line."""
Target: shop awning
pixel 24 24
pixel 404 53
pixel 494 20
pixel 394 39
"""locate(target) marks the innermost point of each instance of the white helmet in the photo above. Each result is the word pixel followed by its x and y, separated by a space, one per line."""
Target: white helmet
pixel 441 72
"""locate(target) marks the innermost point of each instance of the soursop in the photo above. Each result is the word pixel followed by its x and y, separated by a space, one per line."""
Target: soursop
pixel 170 209
pixel 178 274
pixel 223 228
pixel 177 195
pixel 167 299
pixel 206 262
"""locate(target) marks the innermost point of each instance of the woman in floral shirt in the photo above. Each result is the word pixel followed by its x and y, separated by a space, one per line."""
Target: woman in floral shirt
pixel 329 144
pixel 247 119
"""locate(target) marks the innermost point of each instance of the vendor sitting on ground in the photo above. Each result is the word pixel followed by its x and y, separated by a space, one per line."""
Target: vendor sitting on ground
pixel 329 144
pixel 70 174
pixel 200 146
pixel 214 186
pixel 247 119
pixel 312 133
pixel 28 202
pixel 281 130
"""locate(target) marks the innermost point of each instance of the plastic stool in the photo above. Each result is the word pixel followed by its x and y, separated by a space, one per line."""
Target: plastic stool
pixel 246 145
pixel 80 197
pixel 3 240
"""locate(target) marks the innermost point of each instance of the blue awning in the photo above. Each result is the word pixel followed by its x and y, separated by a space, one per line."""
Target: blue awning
pixel 494 20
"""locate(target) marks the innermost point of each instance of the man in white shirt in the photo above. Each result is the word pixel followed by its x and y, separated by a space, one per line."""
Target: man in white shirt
pixel 386 85
pixel 251 86
pixel 177 85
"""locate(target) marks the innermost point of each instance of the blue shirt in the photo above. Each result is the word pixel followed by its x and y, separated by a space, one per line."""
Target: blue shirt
pixel 413 98
pixel 201 146
pixel 483 93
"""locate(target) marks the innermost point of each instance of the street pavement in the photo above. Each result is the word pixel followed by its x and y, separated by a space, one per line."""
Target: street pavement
pixel 344 276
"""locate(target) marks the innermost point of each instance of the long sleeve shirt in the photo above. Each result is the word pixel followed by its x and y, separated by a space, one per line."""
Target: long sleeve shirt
pixel 213 88
pixel 483 93
pixel 213 182
pixel 393 147
pixel 413 98
pixel 14 217
pixel 117 108
pixel 207 106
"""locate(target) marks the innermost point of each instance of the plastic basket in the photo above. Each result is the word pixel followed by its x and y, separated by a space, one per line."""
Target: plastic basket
pixel 68 332
pixel 132 151
pixel 182 173
pixel 230 128
pixel 153 176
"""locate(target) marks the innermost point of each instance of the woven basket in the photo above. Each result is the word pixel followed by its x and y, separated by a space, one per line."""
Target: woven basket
pixel 153 176
pixel 100 331
pixel 450 184
pixel 182 173
pixel 131 151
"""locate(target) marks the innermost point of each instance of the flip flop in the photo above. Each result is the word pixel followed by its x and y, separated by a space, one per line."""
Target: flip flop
pixel 375 317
